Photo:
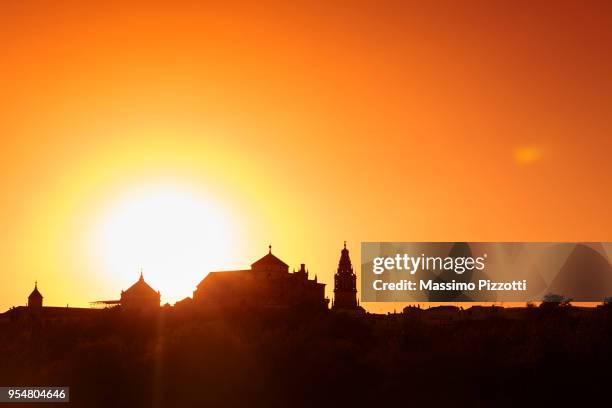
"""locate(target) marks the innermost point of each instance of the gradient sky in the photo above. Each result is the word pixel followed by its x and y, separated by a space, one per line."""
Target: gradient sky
pixel 303 124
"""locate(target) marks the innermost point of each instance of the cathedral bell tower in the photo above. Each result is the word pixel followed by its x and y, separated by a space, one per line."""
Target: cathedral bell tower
pixel 345 283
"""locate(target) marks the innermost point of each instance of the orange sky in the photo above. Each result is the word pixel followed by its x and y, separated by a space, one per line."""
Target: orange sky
pixel 306 125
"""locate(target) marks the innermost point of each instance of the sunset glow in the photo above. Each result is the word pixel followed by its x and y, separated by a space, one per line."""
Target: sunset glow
pixel 299 126
pixel 273 203
pixel 173 234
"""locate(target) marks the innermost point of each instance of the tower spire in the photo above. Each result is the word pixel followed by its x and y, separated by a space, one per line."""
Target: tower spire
pixel 270 248
pixel 345 283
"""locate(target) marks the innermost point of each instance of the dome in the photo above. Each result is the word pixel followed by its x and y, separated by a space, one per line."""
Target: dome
pixel 269 262
pixel 140 288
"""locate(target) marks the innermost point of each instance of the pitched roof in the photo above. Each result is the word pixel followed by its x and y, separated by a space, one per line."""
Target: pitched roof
pixel 268 260
pixel 35 293
pixel 233 279
pixel 140 288
pixel 225 276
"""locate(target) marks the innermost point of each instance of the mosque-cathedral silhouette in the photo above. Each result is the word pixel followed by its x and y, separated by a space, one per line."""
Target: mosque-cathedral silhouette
pixel 268 284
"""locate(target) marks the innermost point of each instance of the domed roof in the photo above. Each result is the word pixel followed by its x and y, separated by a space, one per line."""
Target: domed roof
pixel 140 288
pixel 269 261
pixel 345 260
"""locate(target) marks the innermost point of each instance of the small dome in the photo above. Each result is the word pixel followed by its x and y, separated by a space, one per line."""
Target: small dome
pixel 140 288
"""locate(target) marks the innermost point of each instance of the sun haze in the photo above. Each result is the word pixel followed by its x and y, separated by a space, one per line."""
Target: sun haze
pixel 181 137
pixel 168 232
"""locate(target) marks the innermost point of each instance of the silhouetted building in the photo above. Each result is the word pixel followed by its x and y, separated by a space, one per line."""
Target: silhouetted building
pixel 345 284
pixel 267 284
pixel 35 299
pixel 34 311
pixel 140 296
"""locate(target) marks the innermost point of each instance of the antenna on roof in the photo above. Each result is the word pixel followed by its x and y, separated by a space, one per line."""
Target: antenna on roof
pixel 270 248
